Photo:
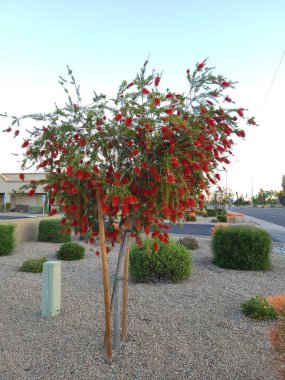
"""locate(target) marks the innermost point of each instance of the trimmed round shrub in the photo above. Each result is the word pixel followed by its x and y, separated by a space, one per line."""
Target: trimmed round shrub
pixel 33 265
pixel 242 247
pixel 7 239
pixel 258 308
pixel 70 251
pixel 171 263
pixel 51 231
pixel 211 212
pixel 189 242
pixel 222 218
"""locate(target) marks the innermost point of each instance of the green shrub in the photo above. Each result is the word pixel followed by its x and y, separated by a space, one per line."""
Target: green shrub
pixel 189 242
pixel 258 308
pixel 242 247
pixel 211 212
pixel 221 211
pixel 7 239
pixel 50 231
pixel 214 221
pixel 33 265
pixel 70 251
pixel 222 218
pixel 172 262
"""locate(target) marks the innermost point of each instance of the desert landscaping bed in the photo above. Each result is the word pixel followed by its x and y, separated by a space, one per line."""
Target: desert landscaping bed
pixel 191 330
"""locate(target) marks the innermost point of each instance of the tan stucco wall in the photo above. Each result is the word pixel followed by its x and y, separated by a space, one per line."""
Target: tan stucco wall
pixel 26 229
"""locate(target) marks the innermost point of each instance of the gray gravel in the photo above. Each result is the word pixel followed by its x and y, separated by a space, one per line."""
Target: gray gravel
pixel 192 330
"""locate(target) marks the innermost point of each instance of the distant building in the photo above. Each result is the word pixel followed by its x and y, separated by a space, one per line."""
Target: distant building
pixel 10 184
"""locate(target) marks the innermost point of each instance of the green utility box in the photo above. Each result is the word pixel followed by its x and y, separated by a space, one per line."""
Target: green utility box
pixel 51 291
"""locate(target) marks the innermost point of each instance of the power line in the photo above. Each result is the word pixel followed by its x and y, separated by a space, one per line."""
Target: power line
pixel 269 88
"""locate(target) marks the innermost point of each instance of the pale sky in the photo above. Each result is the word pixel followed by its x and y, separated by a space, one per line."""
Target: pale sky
pixel 106 42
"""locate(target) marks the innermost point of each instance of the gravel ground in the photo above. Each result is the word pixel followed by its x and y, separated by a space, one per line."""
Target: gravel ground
pixel 192 330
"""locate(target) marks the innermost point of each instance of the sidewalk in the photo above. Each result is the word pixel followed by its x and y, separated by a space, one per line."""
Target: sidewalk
pixel 277 232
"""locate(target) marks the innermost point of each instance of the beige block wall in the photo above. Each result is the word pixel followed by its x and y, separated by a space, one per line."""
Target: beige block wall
pixel 26 229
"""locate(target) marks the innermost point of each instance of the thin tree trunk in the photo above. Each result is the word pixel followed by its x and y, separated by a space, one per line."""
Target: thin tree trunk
pixel 125 296
pixel 117 287
pixel 108 333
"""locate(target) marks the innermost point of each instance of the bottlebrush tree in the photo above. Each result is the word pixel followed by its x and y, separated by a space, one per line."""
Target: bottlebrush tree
pixel 141 158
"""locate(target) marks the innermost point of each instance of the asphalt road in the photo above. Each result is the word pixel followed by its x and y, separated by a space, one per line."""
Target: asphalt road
pixel 7 217
pixel 192 229
pixel 272 215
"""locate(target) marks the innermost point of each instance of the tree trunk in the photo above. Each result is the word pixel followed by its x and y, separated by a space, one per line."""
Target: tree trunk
pixel 117 286
pixel 108 334
pixel 125 296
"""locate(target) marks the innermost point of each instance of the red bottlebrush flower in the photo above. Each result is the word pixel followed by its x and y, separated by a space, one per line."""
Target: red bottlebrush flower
pixel 128 121
pixel 171 148
pixel 131 84
pixel 137 171
pixel 169 95
pixel 188 71
pixel 190 202
pixel 156 81
pixel 118 117
pixel 200 65
pixel 170 178
pixel 31 192
pixel 7 130
pixel 82 142
pixel 53 211
pixel 203 110
pixel 147 230
pixel 175 162
pixel 155 247
pixel 205 166
pixel 63 222
pixel 73 190
pixel 166 212
pixel 96 169
pixel 69 170
pixel 22 176
pixel 240 112
pixel 135 152
pixel 227 99
pixel 125 210
pixel 116 201
pixel 16 133
pixel 105 208
pixel 79 174
pixel 225 84
pixel 25 144
pixel 218 176
pixel 97 253
pixel 251 121
pixel 169 111
pixel 131 200
pixel 145 91
pixel 156 101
